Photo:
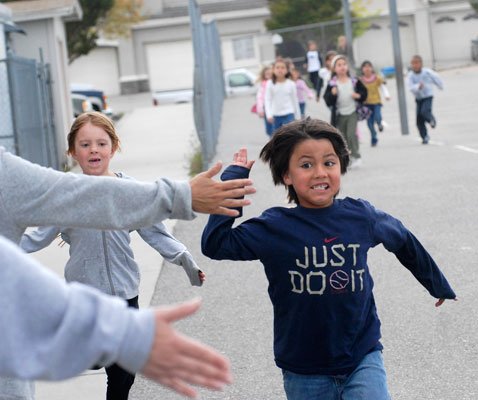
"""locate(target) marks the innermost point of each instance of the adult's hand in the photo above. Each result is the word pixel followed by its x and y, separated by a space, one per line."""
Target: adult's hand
pixel 178 361
pixel 215 197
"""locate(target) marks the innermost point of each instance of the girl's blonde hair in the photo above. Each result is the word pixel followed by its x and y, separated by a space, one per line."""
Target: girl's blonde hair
pixel 97 119
pixel 262 75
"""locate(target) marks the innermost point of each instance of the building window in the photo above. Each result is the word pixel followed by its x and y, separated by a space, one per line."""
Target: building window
pixel 446 18
pixel 243 48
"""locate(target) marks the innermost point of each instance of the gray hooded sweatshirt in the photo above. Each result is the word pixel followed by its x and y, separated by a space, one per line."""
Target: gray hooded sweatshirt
pixel 31 195
pixel 105 260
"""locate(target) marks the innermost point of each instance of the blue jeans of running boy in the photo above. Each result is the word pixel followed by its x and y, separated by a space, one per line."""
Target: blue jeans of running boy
pixel 374 118
pixel 367 382
pixel 280 120
pixel 424 114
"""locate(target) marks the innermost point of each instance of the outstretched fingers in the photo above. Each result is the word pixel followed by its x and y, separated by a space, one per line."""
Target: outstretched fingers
pixel 178 361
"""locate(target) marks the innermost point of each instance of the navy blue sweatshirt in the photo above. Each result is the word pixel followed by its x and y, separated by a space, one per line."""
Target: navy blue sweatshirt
pixel 325 319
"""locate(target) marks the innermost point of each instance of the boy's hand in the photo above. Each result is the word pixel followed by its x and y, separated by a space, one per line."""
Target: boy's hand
pixel 202 276
pixel 240 158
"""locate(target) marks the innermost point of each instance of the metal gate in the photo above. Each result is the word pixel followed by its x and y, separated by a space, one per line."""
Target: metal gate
pixel 32 110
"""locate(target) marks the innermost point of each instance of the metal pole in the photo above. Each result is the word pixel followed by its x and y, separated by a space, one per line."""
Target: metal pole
pixel 397 55
pixel 348 32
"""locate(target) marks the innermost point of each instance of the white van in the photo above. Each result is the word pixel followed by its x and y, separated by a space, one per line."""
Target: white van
pixel 239 81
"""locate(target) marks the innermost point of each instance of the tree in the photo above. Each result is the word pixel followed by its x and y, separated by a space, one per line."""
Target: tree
pixel 474 4
pixel 111 17
pixel 287 13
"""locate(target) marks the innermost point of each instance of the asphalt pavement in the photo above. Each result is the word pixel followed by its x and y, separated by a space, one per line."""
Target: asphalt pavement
pixel 429 353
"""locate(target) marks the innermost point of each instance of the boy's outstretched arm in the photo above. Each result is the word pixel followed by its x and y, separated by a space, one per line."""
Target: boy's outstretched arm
pixel 219 239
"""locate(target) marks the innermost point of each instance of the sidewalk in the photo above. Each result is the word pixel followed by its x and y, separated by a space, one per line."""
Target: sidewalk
pixel 155 142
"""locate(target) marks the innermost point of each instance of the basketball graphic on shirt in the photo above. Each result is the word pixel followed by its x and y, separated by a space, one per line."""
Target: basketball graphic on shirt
pixel 339 280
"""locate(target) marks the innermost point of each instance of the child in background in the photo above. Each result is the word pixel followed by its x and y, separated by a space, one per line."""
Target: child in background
pixel 104 259
pixel 313 66
pixel 325 72
pixel 326 328
pixel 303 91
pixel 420 82
pixel 265 75
pixel 342 95
pixel 373 83
pixel 281 103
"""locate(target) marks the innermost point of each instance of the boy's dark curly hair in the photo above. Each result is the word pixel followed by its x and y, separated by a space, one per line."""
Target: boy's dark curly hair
pixel 279 149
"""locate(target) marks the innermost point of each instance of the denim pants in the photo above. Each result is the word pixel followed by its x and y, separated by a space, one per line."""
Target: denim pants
pixel 424 114
pixel 367 382
pixel 269 127
pixel 119 381
pixel 280 120
pixel 375 118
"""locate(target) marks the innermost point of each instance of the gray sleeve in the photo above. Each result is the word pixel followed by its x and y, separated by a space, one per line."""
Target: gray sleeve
pixel 174 251
pixel 39 238
pixel 52 330
pixel 32 195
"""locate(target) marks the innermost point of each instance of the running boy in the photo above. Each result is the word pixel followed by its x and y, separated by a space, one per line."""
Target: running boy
pixel 326 328
pixel 420 82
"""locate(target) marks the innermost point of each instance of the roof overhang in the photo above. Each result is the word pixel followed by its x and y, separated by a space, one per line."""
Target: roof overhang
pixel 33 10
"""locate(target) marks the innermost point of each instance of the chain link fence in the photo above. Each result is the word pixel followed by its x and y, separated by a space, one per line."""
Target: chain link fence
pixel 209 89
pixel 27 118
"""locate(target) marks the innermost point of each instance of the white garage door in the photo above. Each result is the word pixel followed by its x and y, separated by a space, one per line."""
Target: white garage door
pixel 170 65
pixel 99 68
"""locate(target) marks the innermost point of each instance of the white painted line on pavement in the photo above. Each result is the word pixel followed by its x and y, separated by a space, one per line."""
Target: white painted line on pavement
pixel 464 148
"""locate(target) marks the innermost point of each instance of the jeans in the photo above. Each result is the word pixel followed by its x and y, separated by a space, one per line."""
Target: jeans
pixel 375 118
pixel 119 381
pixel 269 127
pixel 367 382
pixel 280 120
pixel 302 109
pixel 424 114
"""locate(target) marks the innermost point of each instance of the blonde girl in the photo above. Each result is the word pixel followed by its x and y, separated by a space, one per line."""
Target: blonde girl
pixel 104 259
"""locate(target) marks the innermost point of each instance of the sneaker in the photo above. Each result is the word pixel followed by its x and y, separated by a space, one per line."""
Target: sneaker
pixel 374 143
pixel 380 127
pixel 433 122
pixel 426 139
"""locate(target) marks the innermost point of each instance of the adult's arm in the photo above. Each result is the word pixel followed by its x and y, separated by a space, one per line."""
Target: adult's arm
pixel 53 330
pixel 31 195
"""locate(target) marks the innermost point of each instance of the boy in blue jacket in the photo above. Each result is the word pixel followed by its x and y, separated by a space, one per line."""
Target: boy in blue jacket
pixel 326 328
pixel 420 81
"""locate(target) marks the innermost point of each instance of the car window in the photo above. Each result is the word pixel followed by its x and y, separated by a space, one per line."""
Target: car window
pixel 239 79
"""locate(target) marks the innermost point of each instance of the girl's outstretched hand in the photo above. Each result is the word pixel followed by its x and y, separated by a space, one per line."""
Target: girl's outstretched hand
pixel 240 158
